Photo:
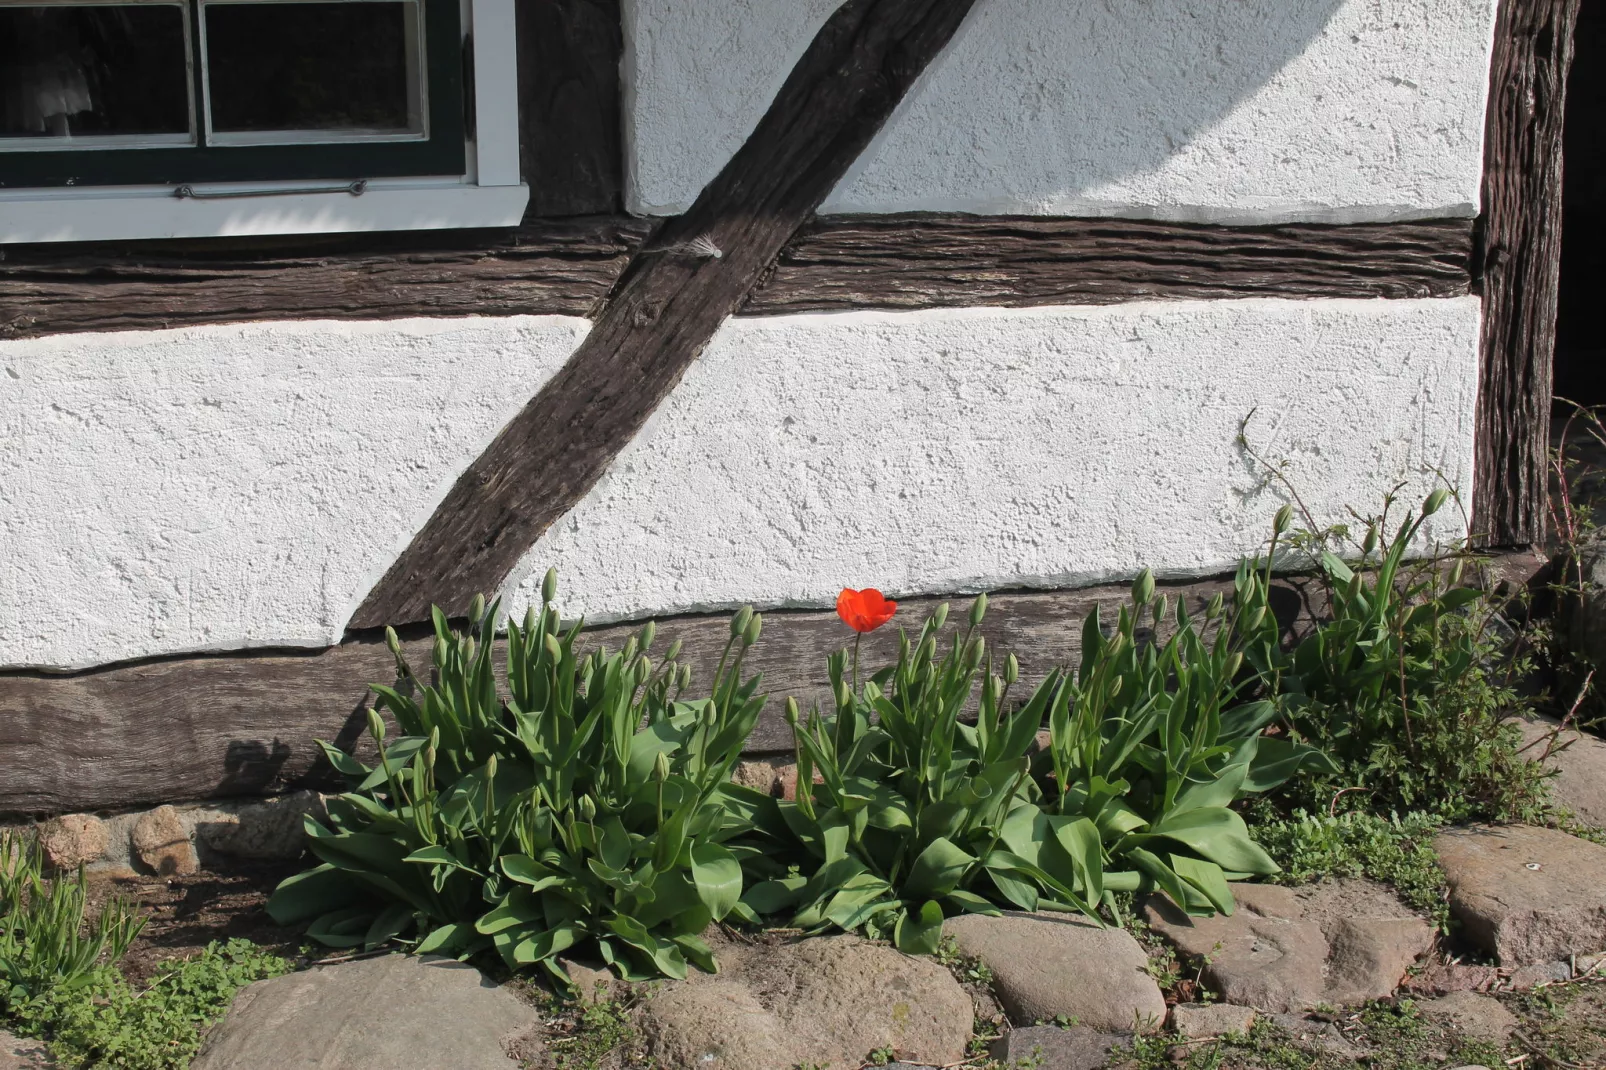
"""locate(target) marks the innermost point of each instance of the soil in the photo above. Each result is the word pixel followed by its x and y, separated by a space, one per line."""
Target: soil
pixel 184 914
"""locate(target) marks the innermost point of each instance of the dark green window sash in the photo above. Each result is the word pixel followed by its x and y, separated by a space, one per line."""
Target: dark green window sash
pixel 442 154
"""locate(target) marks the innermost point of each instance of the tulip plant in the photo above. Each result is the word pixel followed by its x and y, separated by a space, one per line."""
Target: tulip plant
pixel 590 808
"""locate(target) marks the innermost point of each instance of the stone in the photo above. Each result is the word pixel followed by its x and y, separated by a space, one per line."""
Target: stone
pixel 272 830
pixel 372 1014
pixel 1369 956
pixel 1264 956
pixel 786 779
pixel 1542 973
pixel 1043 968
pixel 73 840
pixel 1048 1047
pixel 1196 1020
pixel 717 1025
pixel 1579 761
pixel 162 844
pixel 1315 1031
pixel 19 1054
pixel 1526 895
pixel 828 1000
pixel 1475 1016
pixel 758 775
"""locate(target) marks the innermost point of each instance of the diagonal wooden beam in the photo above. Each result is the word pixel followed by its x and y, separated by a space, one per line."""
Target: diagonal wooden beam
pixel 1521 267
pixel 693 273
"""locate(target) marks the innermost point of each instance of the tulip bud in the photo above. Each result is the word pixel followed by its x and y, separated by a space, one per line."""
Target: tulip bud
pixel 435 736
pixel 1235 661
pixel 529 620
pixel 1116 685
pixel 1256 617
pixel 629 652
pixel 554 648
pixel 975 651
pixel 1011 669
pixel 710 714
pixel 674 651
pixel 791 711
pixel 740 620
pixel 685 677
pixel 1455 572
pixel 429 757
pixel 648 633
pixel 1162 607
pixel 490 768
pixel 476 609
pixel 660 767
pixel 1143 588
pixel 392 643
pixel 1370 543
pixel 643 670
pixel 588 808
pixel 549 586
pixel 755 628
pixel 978 610
pixel 376 726
pixel 1284 517
pixel 939 618
pixel 1435 502
pixel 1213 610
pixel 928 650
pixel 844 694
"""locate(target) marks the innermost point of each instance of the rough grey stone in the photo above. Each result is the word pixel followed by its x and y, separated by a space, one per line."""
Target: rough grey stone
pixel 1264 956
pixel 1542 973
pixel 371 1014
pixel 828 1000
pixel 1579 760
pixel 1475 1016
pixel 1077 1048
pixel 1194 1020
pixel 758 775
pixel 1043 968
pixel 1527 895
pixel 73 840
pixel 162 843
pixel 271 830
pixel 19 1054
pixel 1368 956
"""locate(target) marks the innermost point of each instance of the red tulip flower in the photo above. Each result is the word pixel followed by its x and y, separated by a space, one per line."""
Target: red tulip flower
pixel 864 611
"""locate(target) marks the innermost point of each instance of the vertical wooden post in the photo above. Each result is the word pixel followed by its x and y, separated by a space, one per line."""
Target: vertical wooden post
pixel 1521 227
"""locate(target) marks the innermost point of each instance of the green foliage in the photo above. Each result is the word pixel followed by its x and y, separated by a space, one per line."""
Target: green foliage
pixel 1405 685
pixel 104 1022
pixel 592 805
pixel 1397 851
pixel 921 815
pixel 46 942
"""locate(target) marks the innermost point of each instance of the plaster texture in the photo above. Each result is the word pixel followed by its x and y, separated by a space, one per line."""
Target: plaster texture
pixel 1252 111
pixel 228 487
pixel 978 449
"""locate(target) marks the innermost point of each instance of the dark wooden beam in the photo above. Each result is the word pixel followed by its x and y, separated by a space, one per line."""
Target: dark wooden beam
pixel 244 723
pixel 1521 231
pixel 546 267
pixel 570 147
pixel 942 261
pixel 695 271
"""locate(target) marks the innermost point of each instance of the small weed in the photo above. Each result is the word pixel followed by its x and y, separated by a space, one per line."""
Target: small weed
pixel 881 1057
pixel 966 970
pixel 596 1035
pixel 104 1022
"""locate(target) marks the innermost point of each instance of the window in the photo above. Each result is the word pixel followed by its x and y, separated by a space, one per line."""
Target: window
pixel 182 118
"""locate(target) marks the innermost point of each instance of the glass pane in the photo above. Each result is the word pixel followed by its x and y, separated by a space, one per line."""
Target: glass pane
pixel 345 68
pixel 77 71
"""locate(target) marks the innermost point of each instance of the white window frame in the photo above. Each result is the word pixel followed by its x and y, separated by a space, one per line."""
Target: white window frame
pixel 489 195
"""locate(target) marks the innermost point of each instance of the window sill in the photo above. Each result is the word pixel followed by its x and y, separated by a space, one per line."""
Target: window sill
pixel 152 212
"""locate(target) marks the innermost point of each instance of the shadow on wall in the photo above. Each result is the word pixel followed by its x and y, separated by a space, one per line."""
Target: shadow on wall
pixel 1125 101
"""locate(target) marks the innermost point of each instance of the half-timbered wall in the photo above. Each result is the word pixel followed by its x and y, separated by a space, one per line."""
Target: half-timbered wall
pixel 932 295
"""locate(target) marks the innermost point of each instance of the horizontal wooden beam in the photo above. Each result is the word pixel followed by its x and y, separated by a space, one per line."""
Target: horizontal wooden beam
pixel 244 723
pixel 942 261
pixel 834 264
pixel 545 267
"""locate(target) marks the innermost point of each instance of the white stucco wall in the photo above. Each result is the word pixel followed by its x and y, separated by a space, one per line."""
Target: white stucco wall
pixel 227 487
pixel 1249 111
pixel 989 448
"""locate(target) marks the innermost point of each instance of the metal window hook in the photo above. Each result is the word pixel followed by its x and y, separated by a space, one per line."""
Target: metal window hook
pixel 189 192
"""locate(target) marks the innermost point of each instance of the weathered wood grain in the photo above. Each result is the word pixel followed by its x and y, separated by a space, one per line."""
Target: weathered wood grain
pixel 547 267
pixel 570 145
pixel 695 271
pixel 244 723
pixel 1521 266
pixel 940 261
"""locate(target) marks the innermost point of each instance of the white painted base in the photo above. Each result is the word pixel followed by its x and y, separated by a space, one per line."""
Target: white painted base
pixel 213 488
pixel 981 449
pixel 1242 112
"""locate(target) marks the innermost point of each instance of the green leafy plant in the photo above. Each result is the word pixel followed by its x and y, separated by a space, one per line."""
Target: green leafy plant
pixel 1395 850
pixel 104 1022
pixel 591 805
pixel 47 942
pixel 1407 684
